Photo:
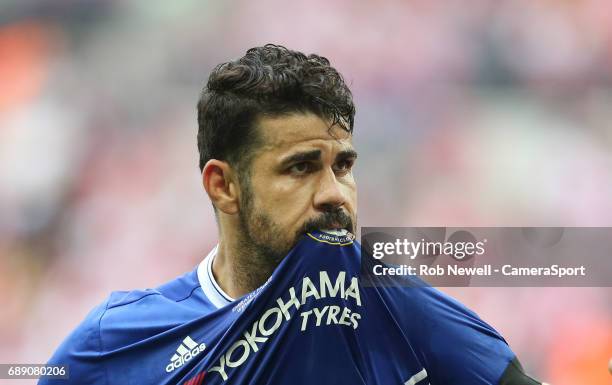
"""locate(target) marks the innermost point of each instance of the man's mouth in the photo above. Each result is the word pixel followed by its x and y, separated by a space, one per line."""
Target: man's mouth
pixel 337 221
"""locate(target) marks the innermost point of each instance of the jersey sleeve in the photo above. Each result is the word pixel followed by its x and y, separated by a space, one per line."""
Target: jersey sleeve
pixel 460 347
pixel 81 352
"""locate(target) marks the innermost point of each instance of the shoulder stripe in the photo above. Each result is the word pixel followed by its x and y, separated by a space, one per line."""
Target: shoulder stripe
pixel 420 376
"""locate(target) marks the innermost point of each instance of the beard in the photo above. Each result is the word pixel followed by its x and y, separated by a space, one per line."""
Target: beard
pixel 264 243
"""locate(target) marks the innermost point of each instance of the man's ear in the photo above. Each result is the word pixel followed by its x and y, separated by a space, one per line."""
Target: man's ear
pixel 221 185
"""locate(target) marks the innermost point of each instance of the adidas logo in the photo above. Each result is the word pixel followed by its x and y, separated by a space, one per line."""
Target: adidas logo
pixel 185 351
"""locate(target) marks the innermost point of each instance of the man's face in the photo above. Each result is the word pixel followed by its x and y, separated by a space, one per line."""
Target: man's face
pixel 301 179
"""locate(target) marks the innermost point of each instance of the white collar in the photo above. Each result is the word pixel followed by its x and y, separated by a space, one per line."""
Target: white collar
pixel 209 285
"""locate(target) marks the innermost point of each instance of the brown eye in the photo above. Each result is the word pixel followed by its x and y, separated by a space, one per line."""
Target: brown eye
pixel 344 165
pixel 301 168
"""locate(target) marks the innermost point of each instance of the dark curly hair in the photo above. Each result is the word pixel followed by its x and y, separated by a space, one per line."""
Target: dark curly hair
pixel 268 80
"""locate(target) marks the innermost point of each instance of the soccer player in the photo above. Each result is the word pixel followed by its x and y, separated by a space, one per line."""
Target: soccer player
pixel 279 299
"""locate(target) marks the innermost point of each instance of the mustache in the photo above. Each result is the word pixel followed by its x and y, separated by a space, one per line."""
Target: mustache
pixel 328 220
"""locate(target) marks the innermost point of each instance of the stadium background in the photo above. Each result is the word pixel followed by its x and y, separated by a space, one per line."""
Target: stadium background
pixel 496 113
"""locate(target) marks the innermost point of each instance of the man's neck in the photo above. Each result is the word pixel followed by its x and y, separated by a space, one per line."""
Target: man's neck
pixel 236 272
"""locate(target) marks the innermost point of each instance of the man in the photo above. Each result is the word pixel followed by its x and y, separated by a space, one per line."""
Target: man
pixel 276 155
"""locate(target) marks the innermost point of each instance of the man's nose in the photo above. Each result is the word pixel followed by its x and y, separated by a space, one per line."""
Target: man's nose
pixel 330 194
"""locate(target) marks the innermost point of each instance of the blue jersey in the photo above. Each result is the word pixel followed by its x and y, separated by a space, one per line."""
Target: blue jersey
pixel 314 321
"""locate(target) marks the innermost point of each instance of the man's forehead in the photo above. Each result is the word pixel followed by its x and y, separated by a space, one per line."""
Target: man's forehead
pixel 290 130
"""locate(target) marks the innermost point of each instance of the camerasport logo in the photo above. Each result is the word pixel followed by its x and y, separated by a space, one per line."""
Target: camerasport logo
pixel 185 351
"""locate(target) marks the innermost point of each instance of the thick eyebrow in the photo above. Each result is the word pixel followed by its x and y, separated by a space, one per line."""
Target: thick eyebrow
pixel 306 156
pixel 346 154
pixel 310 156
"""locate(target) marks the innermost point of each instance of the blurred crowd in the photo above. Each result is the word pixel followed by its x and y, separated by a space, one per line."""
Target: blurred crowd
pixel 482 114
